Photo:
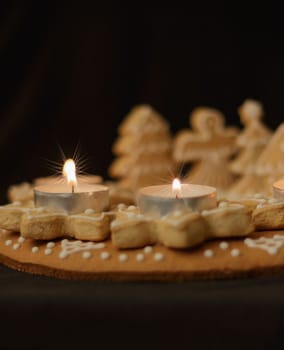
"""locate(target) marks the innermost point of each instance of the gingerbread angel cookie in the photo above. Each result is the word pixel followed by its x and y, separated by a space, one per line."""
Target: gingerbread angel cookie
pixel 143 149
pixel 208 147
pixel 251 142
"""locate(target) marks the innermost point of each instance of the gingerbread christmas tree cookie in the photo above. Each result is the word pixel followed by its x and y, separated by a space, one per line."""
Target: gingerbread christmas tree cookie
pixel 143 149
pixel 208 147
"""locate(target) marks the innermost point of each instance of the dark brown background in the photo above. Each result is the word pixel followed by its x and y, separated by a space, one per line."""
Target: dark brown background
pixel 70 71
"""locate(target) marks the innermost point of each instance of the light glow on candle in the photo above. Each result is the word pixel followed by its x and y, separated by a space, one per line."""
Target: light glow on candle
pixel 176 187
pixel 69 171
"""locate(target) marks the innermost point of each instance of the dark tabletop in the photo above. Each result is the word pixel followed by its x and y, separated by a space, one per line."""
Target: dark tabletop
pixel 39 312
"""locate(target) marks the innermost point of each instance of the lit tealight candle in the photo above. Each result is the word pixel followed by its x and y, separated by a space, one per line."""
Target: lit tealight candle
pixel 163 199
pixel 72 197
pixel 278 189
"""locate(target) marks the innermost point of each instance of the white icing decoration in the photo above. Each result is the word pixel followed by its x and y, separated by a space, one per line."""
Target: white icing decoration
pixel 48 251
pixel 271 245
pixel 177 213
pixel 131 207
pixel 158 256
pixel 92 218
pixel 258 195
pixel 105 255
pixel 272 200
pixel 86 255
pixel 235 253
pixel 121 206
pixel 224 245
pixel 223 205
pixel 205 212
pixel 35 249
pixel 148 249
pixel 123 257
pixel 100 245
pixel 50 245
pixel 71 247
pixel 21 239
pixel 89 211
pixel 208 253
pixel 8 242
pixel 16 246
pixel 131 216
pixel 139 257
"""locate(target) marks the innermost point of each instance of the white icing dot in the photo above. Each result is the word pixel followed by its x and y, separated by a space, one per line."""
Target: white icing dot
pixel 21 239
pixel 122 257
pixel 148 249
pixel 223 205
pixel 8 242
pixel 121 206
pixel 63 255
pixel 50 245
pixel 158 256
pixel 139 257
pixel 105 255
pixel 205 212
pixel 48 251
pixel 131 207
pixel 100 245
pixel 64 241
pixel 89 211
pixel 235 253
pixel 224 245
pixel 35 249
pixel 208 253
pixel 16 246
pixel 86 255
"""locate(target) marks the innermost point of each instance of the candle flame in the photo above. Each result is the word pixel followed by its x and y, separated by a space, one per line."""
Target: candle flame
pixel 176 187
pixel 69 171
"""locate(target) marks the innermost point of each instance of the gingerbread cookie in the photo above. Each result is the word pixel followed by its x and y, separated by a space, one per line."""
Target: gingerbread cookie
pixel 251 142
pixel 207 147
pixel 145 131
pixel 11 215
pixel 182 229
pixel 130 229
pixel 22 192
pixel 39 223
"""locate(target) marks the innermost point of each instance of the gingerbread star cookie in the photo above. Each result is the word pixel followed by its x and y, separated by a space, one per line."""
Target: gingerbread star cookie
pixel 130 229
pixel 39 223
